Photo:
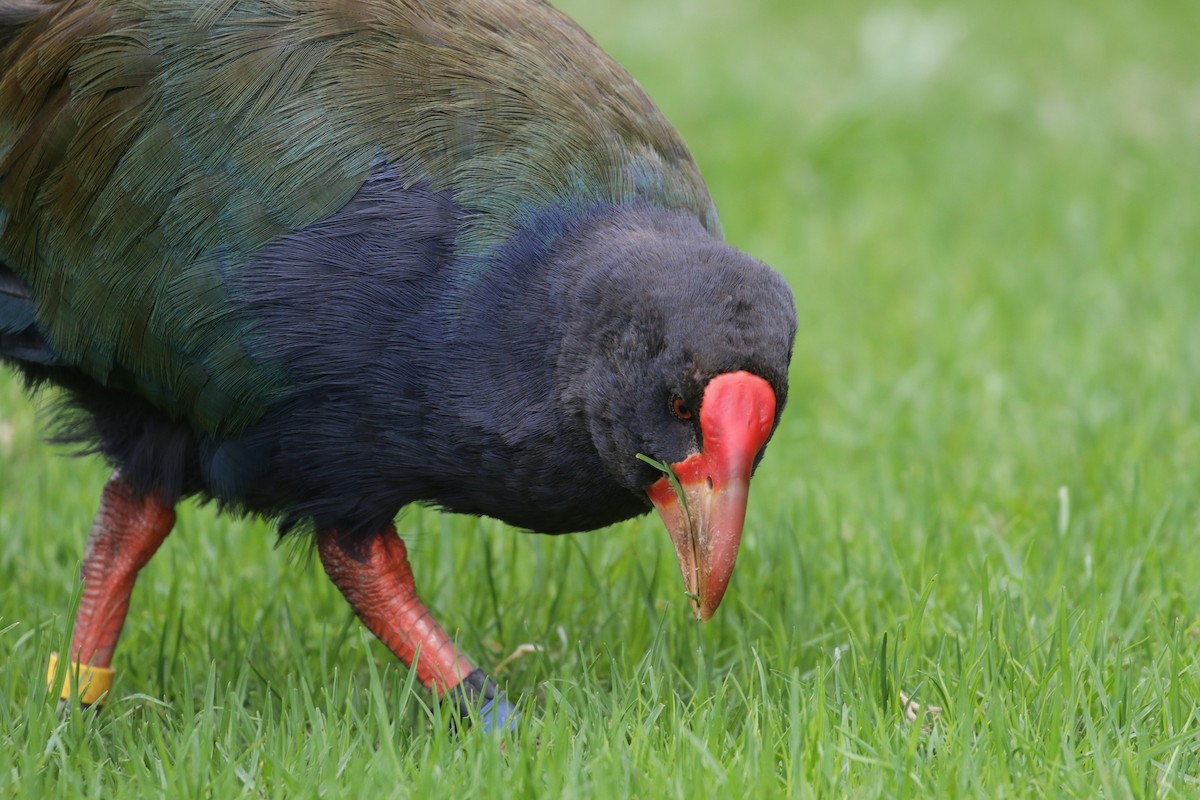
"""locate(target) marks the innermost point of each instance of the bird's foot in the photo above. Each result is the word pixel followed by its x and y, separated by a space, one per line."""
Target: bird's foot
pixel 477 698
pixel 89 710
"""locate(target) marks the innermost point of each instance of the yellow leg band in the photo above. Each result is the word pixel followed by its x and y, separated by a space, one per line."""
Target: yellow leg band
pixel 94 682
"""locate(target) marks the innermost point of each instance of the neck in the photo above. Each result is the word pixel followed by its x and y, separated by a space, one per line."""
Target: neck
pixel 511 320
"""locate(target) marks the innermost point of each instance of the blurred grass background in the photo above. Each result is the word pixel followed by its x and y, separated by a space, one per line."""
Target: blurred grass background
pixel 983 493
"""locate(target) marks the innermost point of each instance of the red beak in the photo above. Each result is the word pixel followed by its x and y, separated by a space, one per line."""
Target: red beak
pixel 736 417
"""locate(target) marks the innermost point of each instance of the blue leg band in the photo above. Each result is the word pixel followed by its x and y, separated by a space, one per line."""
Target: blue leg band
pixel 478 693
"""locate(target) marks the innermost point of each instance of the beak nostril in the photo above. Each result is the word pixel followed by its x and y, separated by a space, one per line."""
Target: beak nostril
pixel 708 479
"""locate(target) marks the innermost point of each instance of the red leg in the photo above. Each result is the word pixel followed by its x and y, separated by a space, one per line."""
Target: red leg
pixel 378 584
pixel 126 533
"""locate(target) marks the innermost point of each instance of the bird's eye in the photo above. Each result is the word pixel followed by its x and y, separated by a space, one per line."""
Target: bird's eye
pixel 679 408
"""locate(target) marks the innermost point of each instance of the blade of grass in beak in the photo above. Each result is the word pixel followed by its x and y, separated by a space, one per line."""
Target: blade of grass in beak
pixel 670 473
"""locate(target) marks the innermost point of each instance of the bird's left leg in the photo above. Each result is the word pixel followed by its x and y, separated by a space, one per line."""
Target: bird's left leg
pixel 126 533
pixel 376 579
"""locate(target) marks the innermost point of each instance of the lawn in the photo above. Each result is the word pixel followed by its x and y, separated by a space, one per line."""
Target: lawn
pixel 983 494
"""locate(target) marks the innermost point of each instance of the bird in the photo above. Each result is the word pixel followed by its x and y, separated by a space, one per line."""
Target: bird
pixel 318 260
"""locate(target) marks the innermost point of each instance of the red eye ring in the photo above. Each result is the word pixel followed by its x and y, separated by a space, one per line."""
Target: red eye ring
pixel 680 409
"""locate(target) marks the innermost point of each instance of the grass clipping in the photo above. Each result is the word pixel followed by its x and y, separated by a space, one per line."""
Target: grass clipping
pixel 666 469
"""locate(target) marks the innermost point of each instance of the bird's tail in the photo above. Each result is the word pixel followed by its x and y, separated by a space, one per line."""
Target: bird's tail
pixel 20 338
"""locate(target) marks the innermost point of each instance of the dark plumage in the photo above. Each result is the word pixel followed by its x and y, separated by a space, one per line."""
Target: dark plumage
pixel 319 260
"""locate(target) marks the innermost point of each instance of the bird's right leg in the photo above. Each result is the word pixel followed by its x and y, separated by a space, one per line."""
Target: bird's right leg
pixel 127 531
pixel 377 581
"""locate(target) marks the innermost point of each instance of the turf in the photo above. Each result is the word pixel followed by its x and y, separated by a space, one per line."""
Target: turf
pixel 984 492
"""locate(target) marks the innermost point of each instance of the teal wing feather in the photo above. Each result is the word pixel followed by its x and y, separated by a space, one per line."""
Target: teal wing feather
pixel 148 148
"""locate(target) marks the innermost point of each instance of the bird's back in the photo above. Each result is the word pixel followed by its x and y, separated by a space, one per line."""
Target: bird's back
pixel 148 150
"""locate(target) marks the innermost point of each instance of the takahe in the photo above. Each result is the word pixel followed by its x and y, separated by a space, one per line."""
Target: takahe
pixel 319 259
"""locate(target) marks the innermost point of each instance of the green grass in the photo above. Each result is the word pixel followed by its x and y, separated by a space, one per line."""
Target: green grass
pixel 984 491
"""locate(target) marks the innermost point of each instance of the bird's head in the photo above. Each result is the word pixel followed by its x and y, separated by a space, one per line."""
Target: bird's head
pixel 685 349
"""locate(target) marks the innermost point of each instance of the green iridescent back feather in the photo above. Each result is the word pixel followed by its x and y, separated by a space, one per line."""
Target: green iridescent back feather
pixel 148 149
